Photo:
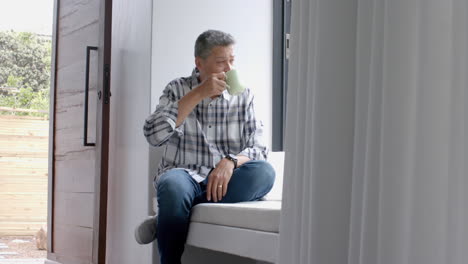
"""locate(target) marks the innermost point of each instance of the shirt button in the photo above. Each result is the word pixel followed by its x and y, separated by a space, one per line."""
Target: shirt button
pixel 209 126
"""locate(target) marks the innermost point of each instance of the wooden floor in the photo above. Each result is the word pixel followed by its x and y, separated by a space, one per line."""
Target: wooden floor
pixel 23 174
pixel 22 261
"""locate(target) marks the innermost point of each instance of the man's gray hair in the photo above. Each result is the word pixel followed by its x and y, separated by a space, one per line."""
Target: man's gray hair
pixel 209 39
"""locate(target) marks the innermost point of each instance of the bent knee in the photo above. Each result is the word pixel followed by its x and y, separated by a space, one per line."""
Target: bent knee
pixel 173 180
pixel 261 170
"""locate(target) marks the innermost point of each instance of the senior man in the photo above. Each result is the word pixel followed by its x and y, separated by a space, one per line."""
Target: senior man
pixel 213 146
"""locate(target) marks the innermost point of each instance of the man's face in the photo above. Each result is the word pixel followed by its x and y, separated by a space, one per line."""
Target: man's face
pixel 220 60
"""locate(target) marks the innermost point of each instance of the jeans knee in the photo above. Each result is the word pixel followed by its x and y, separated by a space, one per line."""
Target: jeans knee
pixel 166 186
pixel 172 180
pixel 174 189
pixel 261 171
pixel 266 166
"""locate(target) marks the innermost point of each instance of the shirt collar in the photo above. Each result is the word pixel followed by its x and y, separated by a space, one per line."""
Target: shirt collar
pixel 195 82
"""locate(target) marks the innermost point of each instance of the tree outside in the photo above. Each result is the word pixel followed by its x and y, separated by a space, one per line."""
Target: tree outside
pixel 25 65
pixel 25 62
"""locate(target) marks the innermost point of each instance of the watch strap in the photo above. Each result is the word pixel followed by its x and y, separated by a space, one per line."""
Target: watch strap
pixel 233 159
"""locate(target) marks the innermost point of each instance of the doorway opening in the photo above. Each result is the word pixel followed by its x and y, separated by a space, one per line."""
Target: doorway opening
pixel 25 65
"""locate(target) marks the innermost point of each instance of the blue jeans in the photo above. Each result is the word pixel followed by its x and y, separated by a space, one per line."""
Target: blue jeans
pixel 178 192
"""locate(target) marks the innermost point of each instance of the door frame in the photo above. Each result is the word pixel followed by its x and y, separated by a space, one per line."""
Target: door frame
pixel 102 128
pixel 51 164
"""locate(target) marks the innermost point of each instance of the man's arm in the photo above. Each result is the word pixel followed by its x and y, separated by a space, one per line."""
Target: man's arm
pixel 187 104
pixel 214 85
pixel 160 125
pixel 170 114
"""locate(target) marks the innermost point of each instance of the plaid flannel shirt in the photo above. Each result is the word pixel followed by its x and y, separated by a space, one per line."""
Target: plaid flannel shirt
pixel 215 128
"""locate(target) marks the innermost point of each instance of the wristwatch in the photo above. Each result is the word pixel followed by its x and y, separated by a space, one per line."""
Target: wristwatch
pixel 232 158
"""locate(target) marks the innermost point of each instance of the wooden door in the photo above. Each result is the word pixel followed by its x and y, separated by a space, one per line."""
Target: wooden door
pixel 79 131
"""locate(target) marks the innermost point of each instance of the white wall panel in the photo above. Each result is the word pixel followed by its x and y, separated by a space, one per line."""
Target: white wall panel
pixel 129 151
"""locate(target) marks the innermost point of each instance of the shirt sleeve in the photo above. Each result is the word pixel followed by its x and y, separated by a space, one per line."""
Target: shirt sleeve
pixel 161 125
pixel 255 148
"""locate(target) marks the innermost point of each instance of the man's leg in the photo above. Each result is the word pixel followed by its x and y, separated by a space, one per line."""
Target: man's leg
pixel 176 190
pixel 249 182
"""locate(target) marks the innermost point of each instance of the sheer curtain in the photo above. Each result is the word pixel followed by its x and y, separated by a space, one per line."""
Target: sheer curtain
pixel 401 194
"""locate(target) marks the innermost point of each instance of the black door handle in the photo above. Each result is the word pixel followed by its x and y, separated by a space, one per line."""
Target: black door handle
pixel 85 136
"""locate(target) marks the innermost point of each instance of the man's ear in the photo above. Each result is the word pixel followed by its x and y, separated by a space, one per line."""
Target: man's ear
pixel 198 63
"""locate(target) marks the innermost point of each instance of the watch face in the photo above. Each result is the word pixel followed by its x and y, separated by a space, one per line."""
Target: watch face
pixel 233 157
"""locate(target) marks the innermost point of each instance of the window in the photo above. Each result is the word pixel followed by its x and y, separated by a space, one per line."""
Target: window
pixel 281 30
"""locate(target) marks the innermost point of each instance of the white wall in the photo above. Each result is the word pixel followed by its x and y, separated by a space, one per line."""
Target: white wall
pixel 130 104
pixel 177 24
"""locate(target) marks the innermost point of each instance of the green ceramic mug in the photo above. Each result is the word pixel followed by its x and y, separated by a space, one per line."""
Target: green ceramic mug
pixel 234 87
